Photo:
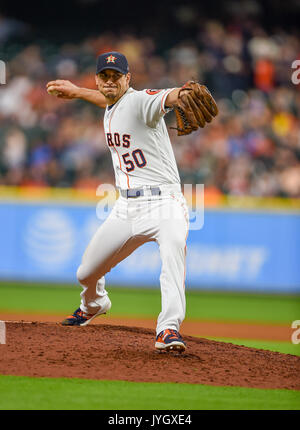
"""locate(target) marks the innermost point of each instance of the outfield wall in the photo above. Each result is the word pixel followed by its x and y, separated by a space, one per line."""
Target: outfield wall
pixel 234 250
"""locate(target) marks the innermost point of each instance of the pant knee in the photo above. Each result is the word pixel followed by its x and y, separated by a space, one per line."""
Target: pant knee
pixel 86 276
pixel 82 275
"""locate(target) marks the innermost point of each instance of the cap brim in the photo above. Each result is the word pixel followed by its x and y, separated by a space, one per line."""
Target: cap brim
pixel 112 68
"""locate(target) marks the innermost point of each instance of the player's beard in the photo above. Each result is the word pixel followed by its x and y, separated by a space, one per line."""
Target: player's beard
pixel 113 97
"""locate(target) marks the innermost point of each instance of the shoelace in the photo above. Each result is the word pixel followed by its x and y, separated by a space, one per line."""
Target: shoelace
pixel 174 333
pixel 170 332
pixel 77 314
pixel 81 314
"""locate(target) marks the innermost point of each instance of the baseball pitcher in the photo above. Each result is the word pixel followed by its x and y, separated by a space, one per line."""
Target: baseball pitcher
pixel 151 206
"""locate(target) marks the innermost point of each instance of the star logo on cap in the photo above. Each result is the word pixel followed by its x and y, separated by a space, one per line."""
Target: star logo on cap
pixel 111 59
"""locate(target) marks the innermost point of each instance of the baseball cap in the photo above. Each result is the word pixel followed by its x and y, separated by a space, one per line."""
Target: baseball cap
pixel 112 60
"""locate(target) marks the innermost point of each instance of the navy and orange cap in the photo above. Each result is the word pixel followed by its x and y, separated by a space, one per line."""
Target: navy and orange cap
pixel 112 60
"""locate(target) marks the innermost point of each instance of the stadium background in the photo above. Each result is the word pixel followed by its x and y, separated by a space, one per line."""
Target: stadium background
pixel 243 265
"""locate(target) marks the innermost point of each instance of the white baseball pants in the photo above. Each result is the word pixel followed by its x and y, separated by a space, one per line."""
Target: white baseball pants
pixel 131 223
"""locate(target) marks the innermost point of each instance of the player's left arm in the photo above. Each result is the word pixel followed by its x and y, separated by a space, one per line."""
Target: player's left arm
pixel 152 105
pixel 172 98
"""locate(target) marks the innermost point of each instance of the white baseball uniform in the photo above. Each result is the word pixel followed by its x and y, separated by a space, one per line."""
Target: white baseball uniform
pixel 150 207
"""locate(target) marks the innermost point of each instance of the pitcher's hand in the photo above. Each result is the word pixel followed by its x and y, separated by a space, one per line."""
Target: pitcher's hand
pixel 63 89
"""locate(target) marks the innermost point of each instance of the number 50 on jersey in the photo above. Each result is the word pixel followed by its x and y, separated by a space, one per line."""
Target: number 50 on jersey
pixel 131 160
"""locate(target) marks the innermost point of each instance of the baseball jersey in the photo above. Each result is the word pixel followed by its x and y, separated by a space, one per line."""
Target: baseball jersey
pixel 137 137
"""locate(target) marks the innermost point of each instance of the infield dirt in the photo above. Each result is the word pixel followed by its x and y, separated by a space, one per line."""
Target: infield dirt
pixel 113 352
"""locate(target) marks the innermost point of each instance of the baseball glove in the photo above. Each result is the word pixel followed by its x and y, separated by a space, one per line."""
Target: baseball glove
pixel 194 108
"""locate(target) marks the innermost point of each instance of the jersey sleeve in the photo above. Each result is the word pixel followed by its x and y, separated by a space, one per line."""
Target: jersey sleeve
pixel 151 105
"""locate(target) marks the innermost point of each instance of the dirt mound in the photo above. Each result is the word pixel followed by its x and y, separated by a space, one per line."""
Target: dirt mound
pixel 218 329
pixel 127 353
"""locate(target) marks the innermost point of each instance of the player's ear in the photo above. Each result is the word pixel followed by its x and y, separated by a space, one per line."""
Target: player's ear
pixel 128 77
pixel 96 79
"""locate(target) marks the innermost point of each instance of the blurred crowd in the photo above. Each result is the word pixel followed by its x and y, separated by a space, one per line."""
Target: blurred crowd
pixel 251 148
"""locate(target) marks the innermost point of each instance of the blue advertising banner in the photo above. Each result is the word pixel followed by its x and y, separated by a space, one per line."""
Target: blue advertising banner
pixel 234 250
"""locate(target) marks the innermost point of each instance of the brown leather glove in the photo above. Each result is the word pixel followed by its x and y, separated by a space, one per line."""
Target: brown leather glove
pixel 194 108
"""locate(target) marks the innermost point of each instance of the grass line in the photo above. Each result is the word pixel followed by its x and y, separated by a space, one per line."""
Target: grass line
pixel 283 347
pixel 24 393
pixel 146 303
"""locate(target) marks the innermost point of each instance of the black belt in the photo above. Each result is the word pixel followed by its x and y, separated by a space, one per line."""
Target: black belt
pixel 139 192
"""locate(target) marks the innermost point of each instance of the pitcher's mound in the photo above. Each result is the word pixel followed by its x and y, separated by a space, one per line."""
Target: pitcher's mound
pixel 127 353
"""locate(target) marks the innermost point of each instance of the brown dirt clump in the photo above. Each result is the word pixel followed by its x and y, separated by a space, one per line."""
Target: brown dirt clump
pixel 127 353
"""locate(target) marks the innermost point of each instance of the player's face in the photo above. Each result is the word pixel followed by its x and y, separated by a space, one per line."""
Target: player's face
pixel 112 84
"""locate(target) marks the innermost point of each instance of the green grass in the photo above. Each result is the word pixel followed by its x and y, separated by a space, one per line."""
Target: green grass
pixel 24 393
pixel 265 308
pixel 284 347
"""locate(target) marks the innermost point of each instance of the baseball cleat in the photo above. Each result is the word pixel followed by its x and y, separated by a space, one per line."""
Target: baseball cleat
pixel 80 318
pixel 169 340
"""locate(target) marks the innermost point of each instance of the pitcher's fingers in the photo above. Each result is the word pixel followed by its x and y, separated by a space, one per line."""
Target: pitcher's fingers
pixel 56 82
pixel 49 84
pixel 61 81
pixel 53 88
